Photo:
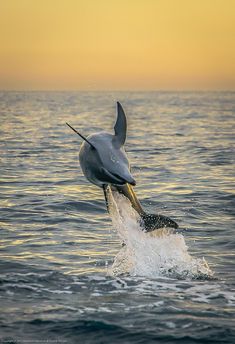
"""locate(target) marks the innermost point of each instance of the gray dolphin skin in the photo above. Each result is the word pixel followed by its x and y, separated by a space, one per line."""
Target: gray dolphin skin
pixel 104 163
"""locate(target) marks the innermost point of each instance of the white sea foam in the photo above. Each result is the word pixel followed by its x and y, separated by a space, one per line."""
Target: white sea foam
pixel 159 253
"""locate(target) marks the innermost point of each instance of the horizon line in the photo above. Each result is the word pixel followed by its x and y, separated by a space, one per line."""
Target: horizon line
pixel 121 90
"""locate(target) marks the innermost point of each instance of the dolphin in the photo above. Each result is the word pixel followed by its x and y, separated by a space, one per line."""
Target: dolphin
pixel 104 163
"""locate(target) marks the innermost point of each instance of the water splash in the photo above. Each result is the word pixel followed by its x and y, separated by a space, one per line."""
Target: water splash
pixel 159 253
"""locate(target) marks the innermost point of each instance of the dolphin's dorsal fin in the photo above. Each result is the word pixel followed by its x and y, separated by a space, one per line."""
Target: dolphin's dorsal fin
pixel 120 126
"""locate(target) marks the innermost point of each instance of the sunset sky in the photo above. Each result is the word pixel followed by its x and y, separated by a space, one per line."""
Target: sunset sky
pixel 117 44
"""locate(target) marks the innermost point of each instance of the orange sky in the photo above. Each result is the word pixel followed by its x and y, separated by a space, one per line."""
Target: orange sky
pixel 117 44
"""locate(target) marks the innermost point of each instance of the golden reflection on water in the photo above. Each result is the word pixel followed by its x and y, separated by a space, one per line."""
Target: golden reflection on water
pixel 175 158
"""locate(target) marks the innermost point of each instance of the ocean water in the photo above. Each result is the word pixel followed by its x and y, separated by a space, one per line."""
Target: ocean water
pixel 64 275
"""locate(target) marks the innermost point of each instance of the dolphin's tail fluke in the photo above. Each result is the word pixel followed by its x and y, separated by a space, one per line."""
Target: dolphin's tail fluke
pixel 149 222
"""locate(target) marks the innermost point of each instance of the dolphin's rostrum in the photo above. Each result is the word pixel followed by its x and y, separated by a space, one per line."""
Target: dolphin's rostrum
pixel 104 163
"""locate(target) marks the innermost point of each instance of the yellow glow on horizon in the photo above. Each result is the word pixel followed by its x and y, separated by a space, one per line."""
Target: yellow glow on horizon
pixel 117 44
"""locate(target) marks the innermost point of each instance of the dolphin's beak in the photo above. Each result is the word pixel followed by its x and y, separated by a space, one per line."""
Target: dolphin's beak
pixel 132 182
pixel 129 179
pixel 118 179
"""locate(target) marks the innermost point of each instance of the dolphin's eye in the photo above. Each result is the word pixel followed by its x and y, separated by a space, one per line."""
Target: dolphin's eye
pixel 114 159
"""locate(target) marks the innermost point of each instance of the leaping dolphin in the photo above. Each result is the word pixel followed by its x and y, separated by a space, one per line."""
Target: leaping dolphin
pixel 104 163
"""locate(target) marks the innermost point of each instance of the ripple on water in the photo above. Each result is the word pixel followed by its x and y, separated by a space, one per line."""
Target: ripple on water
pixel 57 241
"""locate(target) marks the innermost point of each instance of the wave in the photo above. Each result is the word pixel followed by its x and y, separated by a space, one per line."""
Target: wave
pixel 159 253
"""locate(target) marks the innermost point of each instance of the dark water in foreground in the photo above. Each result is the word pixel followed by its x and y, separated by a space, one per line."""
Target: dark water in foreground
pixel 57 240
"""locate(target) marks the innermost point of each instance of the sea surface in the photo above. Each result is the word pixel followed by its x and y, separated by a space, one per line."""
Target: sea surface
pixel 58 283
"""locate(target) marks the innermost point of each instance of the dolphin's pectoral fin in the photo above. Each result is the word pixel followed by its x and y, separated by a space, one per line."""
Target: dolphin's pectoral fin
pixel 105 190
pixel 150 222
pixel 83 137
